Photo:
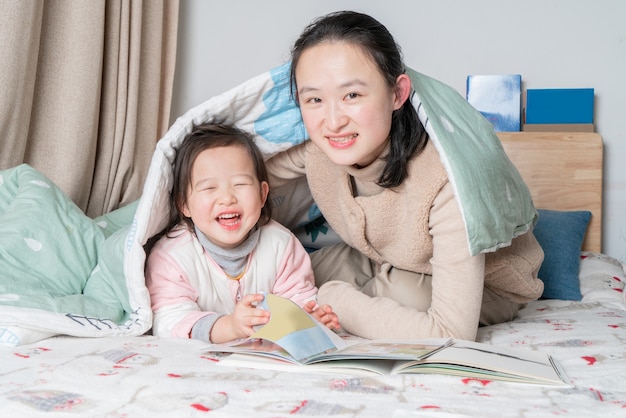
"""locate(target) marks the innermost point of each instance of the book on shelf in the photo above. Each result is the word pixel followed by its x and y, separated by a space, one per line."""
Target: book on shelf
pixel 294 341
pixel 560 106
pixel 498 98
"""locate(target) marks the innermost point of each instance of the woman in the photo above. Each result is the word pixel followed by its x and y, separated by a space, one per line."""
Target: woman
pixel 405 269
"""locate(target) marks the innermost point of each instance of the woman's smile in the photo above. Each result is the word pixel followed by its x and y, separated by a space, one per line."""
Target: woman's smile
pixel 342 141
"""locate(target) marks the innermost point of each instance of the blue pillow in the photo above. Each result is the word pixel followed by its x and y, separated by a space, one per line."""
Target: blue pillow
pixel 561 235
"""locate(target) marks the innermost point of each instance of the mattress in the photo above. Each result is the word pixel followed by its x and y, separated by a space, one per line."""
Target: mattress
pixel 131 376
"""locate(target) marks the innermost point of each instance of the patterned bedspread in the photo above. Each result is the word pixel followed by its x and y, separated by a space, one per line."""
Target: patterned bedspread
pixel 148 376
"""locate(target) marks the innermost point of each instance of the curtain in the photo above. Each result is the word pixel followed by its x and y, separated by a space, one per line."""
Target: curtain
pixel 86 88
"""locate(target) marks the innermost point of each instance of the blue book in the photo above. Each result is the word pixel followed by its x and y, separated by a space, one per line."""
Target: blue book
pixel 497 98
pixel 559 106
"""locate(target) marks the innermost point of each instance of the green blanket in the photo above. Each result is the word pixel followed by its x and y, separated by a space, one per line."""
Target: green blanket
pixel 63 273
pixel 58 267
pixel 495 202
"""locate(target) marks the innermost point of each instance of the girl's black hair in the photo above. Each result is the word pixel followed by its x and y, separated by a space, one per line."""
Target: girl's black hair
pixel 408 137
pixel 201 138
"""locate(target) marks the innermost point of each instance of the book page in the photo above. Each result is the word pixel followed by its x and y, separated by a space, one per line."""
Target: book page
pixel 287 317
pixel 387 350
pixel 293 329
pixel 464 356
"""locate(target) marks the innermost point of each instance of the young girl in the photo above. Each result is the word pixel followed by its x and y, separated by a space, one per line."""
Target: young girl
pixel 221 249
pixel 405 270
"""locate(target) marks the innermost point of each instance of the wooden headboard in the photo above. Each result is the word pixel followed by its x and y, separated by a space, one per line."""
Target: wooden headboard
pixel 563 171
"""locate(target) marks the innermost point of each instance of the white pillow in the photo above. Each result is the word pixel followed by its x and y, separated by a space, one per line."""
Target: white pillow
pixel 602 278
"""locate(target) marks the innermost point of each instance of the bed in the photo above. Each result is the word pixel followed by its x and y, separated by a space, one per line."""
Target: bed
pixel 126 372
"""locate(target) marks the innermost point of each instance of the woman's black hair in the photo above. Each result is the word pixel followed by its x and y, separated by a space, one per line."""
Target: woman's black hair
pixel 408 137
pixel 201 138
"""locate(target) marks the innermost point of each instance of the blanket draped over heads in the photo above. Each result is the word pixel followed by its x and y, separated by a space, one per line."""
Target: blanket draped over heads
pixel 85 277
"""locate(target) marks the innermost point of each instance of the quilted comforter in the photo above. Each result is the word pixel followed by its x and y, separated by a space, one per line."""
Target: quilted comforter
pixel 63 273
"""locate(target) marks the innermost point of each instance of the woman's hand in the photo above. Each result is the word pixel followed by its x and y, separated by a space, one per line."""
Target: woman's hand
pixel 324 314
pixel 241 323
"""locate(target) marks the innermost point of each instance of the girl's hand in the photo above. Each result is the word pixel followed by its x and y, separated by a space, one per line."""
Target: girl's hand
pixel 324 314
pixel 241 323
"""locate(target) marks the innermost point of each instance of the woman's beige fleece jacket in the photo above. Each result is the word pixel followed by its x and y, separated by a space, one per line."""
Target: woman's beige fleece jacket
pixel 418 227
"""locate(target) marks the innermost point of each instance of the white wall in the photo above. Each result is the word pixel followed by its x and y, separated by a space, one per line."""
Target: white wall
pixel 552 43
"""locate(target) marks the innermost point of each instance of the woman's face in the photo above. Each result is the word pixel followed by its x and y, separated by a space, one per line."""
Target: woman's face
pixel 225 197
pixel 345 101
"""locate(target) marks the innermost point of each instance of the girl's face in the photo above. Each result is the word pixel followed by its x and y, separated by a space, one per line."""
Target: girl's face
pixel 346 103
pixel 225 197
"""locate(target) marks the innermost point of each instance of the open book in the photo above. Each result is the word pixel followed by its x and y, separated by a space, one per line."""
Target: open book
pixel 294 341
